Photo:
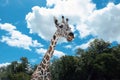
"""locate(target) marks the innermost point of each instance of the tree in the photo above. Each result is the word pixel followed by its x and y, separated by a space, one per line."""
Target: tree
pixel 24 64
pixel 99 46
pixel 64 68
pixel 80 51
pixel 105 66
pixel 16 71
pixel 101 61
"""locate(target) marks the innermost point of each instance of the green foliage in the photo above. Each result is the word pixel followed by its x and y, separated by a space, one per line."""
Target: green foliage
pixel 16 71
pixel 64 68
pixel 19 76
pixel 99 46
pixel 106 66
pixel 100 61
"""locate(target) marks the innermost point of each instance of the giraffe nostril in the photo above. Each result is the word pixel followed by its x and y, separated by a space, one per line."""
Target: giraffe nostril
pixel 71 34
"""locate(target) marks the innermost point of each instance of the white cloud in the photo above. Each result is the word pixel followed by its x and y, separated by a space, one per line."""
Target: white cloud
pixel 84 30
pixel 33 60
pixel 7 27
pixel 105 23
pixel 85 45
pixel 40 20
pixel 68 46
pixel 16 38
pixel 35 43
pixel 4 64
pixel 41 51
pixel 78 8
pixel 56 53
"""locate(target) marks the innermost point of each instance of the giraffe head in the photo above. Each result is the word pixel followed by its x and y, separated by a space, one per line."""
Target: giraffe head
pixel 63 29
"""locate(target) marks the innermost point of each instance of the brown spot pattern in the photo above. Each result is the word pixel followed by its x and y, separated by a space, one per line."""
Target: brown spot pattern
pixel 50 48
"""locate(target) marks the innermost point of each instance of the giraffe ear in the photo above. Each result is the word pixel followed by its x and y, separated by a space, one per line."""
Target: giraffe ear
pixel 55 21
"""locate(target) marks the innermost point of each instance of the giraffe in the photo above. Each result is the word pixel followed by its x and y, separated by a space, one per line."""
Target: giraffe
pixel 63 30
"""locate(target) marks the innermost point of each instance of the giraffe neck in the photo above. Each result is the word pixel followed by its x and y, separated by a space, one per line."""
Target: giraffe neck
pixel 43 67
pixel 51 48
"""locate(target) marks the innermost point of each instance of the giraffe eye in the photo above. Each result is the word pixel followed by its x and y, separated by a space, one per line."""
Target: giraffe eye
pixel 61 26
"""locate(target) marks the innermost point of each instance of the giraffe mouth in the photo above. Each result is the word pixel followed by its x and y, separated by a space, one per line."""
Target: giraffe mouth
pixel 70 36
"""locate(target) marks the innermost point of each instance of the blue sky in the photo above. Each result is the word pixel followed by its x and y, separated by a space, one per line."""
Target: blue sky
pixel 26 26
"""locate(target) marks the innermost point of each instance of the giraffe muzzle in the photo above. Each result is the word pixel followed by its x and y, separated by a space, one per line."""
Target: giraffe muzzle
pixel 70 37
